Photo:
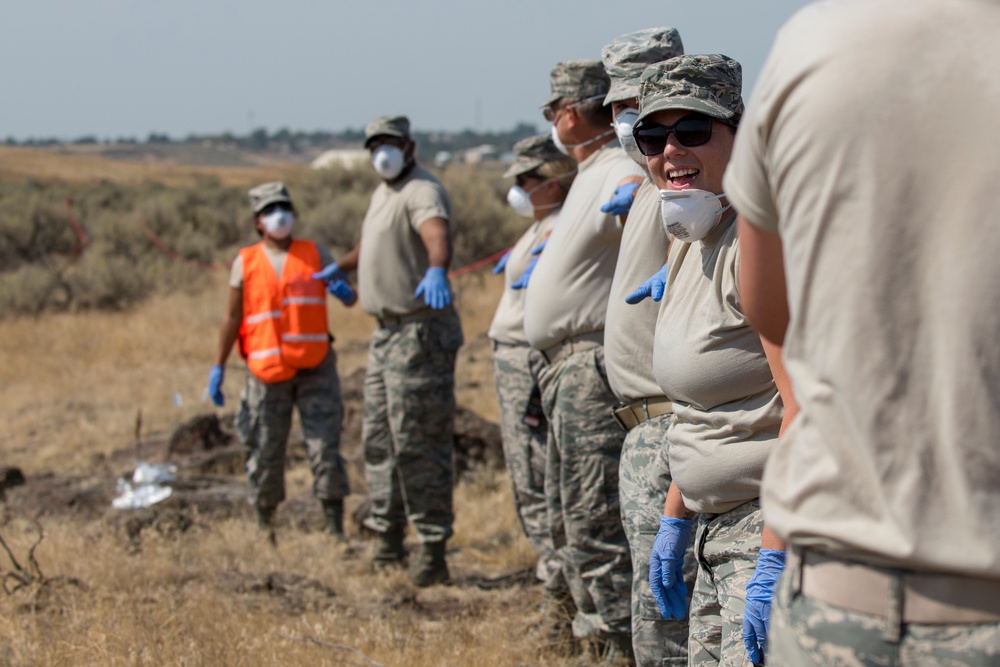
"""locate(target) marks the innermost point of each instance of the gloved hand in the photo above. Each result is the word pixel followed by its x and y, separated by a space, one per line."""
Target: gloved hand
pixel 502 264
pixel 760 590
pixel 666 566
pixel 330 273
pixel 522 282
pixel 215 377
pixel 342 290
pixel 621 200
pixel 434 288
pixel 654 287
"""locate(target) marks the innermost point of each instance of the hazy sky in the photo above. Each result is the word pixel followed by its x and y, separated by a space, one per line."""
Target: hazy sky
pixel 130 67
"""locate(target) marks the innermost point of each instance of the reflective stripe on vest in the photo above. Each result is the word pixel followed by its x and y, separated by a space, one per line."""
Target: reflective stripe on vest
pixel 260 317
pixel 284 325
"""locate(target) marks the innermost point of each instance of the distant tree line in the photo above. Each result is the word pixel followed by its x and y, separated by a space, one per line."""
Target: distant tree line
pixel 286 141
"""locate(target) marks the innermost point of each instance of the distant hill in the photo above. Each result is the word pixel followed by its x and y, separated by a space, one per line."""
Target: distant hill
pixel 261 148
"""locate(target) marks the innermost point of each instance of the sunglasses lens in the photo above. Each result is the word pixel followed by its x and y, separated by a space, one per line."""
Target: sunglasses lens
pixel 651 139
pixel 693 131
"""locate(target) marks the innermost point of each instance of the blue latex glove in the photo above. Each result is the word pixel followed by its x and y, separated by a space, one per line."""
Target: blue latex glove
pixel 434 288
pixel 522 282
pixel 215 377
pixel 666 566
pixel 760 590
pixel 330 273
pixel 621 200
pixel 654 287
pixel 502 264
pixel 342 290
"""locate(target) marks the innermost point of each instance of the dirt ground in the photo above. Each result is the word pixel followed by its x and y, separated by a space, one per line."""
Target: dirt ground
pixel 191 580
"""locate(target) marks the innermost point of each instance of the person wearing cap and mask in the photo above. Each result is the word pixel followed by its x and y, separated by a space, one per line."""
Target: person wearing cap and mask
pixel 644 412
pixel 409 401
pixel 542 177
pixel 565 304
pixel 277 312
pixel 879 276
pixel 722 378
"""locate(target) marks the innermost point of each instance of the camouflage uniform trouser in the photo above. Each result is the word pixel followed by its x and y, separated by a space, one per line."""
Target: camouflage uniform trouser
pixel 515 370
pixel 727 546
pixel 263 422
pixel 581 488
pixel 409 424
pixel 809 633
pixel 644 477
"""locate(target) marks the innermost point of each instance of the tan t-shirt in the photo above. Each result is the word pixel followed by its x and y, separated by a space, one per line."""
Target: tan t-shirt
pixel 508 321
pixel 276 257
pixel 629 329
pixel 870 145
pixel 711 364
pixel 568 291
pixel 393 257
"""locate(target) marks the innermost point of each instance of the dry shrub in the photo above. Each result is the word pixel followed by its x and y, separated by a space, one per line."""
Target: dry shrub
pixel 484 222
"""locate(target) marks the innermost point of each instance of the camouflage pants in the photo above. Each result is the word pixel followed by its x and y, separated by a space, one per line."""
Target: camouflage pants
pixel 644 477
pixel 727 548
pixel 808 633
pixel 263 422
pixel 515 370
pixel 409 423
pixel 581 488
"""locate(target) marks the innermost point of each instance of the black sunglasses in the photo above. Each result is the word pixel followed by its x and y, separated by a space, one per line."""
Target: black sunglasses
pixel 274 206
pixel 690 131
pixel 521 179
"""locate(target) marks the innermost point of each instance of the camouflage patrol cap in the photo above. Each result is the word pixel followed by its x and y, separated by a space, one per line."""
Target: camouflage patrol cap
pixel 268 193
pixel 709 84
pixel 625 58
pixel 394 126
pixel 577 79
pixel 532 153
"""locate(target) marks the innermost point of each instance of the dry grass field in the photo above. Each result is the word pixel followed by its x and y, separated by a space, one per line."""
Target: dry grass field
pixel 175 586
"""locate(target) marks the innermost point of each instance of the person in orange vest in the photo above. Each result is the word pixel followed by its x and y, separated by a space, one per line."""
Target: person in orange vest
pixel 277 312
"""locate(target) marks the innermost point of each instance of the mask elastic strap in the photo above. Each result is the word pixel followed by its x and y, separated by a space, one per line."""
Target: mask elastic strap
pixel 590 141
pixel 546 207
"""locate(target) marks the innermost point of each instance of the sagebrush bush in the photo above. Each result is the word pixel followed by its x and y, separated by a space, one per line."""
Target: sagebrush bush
pixel 42 269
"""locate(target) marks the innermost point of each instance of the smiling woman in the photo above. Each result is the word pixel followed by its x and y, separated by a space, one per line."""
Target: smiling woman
pixel 709 362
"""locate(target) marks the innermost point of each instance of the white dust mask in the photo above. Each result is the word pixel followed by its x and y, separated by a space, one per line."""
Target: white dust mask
pixel 558 142
pixel 278 223
pixel 689 215
pixel 520 200
pixel 623 128
pixel 388 161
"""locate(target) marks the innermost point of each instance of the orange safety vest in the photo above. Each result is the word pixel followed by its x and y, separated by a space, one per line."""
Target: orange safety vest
pixel 284 321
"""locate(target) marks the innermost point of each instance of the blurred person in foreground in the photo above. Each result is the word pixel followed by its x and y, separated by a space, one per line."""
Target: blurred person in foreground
pixel 409 403
pixel 277 312
pixel 865 174
pixel 567 297
pixel 643 411
pixel 720 375
pixel 542 176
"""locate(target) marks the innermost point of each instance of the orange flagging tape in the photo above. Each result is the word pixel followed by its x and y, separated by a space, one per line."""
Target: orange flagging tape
pixel 173 254
pixel 82 240
pixel 477 264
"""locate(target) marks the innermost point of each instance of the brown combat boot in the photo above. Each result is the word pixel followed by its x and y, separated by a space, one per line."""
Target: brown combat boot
pixel 391 550
pixel 430 567
pixel 617 650
pixel 333 510
pixel 555 631
pixel 265 521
